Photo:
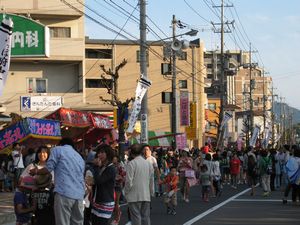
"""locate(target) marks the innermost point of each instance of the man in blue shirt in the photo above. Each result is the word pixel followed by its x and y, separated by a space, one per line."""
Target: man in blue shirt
pixel 69 186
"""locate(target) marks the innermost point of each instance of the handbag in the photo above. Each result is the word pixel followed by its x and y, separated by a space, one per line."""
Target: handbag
pixel 189 173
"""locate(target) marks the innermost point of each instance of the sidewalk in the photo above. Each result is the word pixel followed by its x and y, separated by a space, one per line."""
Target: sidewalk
pixel 7 215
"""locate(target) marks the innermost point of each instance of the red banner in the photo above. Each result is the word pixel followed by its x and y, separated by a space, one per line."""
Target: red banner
pixel 100 121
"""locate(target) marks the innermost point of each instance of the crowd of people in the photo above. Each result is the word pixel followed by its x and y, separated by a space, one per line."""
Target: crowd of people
pixel 61 186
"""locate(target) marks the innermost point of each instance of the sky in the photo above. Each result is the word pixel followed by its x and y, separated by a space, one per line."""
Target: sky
pixel 272 27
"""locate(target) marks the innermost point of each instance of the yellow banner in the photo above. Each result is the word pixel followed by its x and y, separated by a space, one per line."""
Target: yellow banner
pixel 191 133
pixel 193 114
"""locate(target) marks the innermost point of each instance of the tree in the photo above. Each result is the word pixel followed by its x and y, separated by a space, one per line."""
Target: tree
pixel 116 102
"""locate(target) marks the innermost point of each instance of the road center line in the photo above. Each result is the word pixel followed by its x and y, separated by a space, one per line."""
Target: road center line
pixel 200 216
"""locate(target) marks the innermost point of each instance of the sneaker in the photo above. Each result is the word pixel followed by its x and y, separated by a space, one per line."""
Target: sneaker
pixel 128 223
pixel 169 211
pixel 114 222
pixel 187 200
pixel 173 212
pixel 266 194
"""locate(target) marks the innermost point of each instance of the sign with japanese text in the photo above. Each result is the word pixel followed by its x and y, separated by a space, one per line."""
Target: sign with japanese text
pixel 13 134
pixel 29 127
pixel 73 118
pixel 100 121
pixel 191 133
pixel 40 103
pixel 193 114
pixel 29 38
pixel 5 50
pixel 181 141
pixel 184 108
pixel 44 127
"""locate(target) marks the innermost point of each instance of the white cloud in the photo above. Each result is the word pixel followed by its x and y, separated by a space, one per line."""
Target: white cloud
pixel 292 19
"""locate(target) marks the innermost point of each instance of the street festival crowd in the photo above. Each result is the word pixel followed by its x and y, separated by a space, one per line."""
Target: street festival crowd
pixel 63 186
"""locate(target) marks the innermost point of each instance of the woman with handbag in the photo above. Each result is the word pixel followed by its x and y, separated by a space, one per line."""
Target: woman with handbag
pixel 186 172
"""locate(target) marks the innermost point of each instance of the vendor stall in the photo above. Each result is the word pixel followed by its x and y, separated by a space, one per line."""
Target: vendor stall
pixel 31 132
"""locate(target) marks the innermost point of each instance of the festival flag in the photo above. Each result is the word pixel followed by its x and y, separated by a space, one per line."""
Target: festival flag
pixel 5 50
pixel 227 117
pixel 254 137
pixel 141 90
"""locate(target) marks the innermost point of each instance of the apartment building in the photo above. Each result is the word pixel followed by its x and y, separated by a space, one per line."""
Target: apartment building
pixel 110 53
pixel 47 63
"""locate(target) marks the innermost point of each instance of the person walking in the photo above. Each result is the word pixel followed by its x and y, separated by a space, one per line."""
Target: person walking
pixel 69 186
pixel 139 186
pixel 265 167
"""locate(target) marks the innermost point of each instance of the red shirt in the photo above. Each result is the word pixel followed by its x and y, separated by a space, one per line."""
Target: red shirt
pixel 205 149
pixel 235 166
pixel 171 182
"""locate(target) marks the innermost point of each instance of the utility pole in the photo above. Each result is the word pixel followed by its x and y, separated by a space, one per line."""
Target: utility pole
pixel 143 70
pixel 193 74
pixel 264 100
pixel 223 79
pixel 273 117
pixel 251 88
pixel 174 94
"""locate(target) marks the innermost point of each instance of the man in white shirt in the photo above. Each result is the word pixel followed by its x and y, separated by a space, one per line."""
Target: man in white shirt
pixel 139 186
pixel 18 160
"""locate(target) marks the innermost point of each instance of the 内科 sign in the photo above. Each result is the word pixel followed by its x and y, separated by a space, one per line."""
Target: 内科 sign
pixel 29 38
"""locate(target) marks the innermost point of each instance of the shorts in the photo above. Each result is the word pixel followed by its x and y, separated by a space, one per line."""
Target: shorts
pixel 172 199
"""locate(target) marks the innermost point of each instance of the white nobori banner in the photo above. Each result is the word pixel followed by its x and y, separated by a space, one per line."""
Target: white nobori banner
pixel 227 117
pixel 255 135
pixel 141 90
pixel 5 50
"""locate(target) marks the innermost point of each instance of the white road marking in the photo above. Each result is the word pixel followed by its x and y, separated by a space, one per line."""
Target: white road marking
pixel 200 216
pixel 257 200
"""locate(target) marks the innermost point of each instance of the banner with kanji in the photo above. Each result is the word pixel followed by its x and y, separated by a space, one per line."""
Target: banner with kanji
pixel 5 50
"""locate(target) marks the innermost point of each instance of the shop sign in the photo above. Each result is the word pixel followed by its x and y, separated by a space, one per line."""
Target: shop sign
pixel 40 103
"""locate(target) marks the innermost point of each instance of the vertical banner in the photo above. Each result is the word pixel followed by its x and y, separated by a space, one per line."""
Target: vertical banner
pixel 5 50
pixel 184 108
pixel 181 141
pixel 239 143
pixel 141 90
pixel 267 136
pixel 254 137
pixel 193 115
pixel 227 117
pixel 144 126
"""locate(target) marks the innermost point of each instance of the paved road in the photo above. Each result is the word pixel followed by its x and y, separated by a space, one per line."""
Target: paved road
pixel 234 207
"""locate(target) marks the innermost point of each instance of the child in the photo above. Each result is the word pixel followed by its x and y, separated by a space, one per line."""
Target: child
pixel 205 182
pixel 171 182
pixel 21 203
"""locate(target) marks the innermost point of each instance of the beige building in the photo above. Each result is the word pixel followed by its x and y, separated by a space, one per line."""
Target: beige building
pixel 68 74
pixel 60 72
pixel 261 87
pixel 104 52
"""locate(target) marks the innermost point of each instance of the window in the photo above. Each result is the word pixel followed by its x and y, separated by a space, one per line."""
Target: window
pixel 98 83
pixel 138 57
pixel 60 32
pixel 183 84
pixel 209 66
pixel 212 106
pixel 166 97
pixel 182 56
pixel 98 53
pixel 37 85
